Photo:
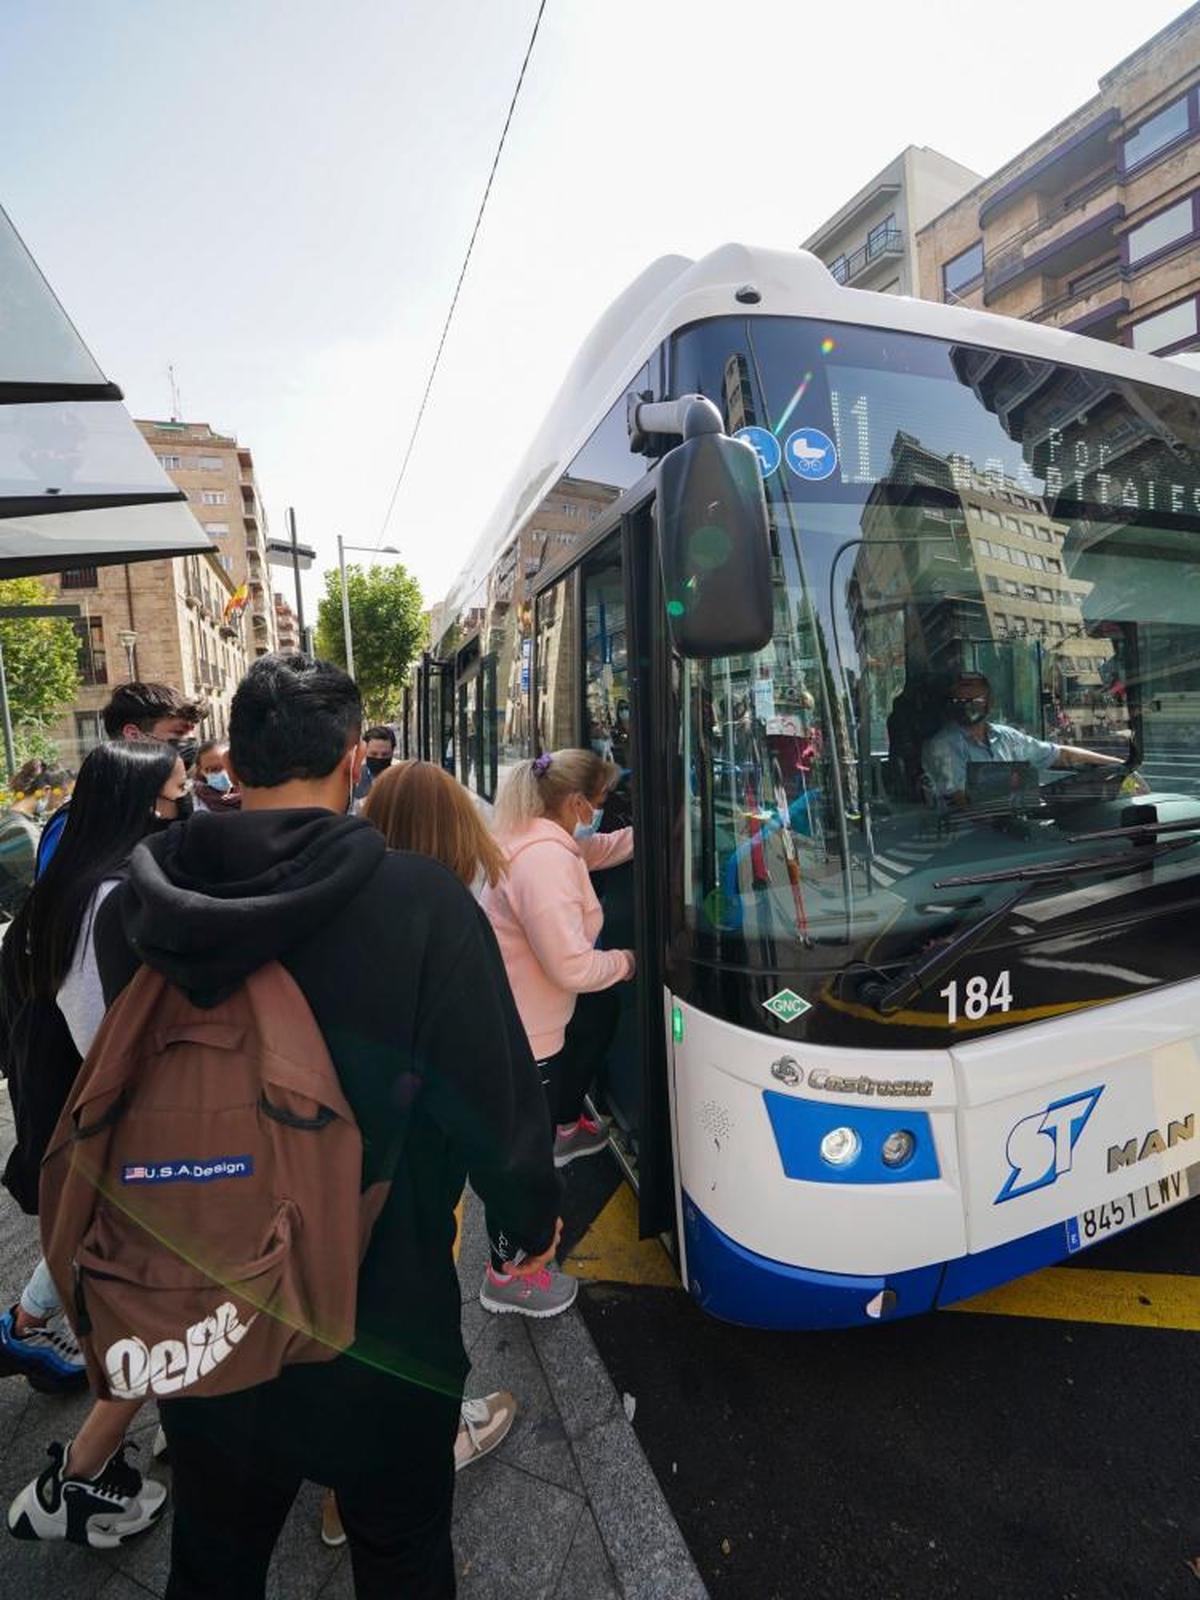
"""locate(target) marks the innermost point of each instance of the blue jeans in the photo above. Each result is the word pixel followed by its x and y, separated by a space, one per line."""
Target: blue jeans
pixel 39 1297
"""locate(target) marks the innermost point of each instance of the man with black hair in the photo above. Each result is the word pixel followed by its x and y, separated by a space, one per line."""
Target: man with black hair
pixel 968 735
pixel 138 711
pixel 425 1038
pixel 380 742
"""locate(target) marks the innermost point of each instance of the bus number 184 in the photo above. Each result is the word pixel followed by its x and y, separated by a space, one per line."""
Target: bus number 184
pixel 977 998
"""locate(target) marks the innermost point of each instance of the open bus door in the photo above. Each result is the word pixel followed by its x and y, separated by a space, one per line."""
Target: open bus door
pixel 652 745
pixel 622 720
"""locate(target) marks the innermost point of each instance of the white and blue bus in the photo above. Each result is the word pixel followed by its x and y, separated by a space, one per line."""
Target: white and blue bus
pixel 891 612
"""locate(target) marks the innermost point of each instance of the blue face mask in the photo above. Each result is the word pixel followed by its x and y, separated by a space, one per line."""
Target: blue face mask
pixel 585 830
pixel 220 781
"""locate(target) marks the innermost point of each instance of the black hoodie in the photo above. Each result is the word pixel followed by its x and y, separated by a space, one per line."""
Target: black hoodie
pixel 406 984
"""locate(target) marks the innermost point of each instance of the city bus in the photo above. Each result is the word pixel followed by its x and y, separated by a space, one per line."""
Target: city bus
pixel 889 612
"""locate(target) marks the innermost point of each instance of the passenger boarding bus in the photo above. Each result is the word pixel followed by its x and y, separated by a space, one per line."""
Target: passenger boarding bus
pixel 890 612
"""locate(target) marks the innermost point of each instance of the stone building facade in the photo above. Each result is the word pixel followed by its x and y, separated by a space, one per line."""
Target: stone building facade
pixel 1096 226
pixel 217 475
pixel 287 628
pixel 160 621
pixel 166 621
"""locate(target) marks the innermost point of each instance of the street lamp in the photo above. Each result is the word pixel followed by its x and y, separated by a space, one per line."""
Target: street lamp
pixel 374 550
pixel 129 639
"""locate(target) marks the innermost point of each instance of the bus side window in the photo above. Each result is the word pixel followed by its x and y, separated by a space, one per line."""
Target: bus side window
pixel 607 715
pixel 557 663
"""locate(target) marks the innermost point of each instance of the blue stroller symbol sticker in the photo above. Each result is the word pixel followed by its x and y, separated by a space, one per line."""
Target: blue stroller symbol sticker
pixel 810 454
pixel 765 446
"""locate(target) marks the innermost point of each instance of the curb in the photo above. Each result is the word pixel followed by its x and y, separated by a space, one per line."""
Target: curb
pixel 641 1538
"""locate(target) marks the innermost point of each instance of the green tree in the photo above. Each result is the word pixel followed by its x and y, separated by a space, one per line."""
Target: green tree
pixel 386 625
pixel 41 667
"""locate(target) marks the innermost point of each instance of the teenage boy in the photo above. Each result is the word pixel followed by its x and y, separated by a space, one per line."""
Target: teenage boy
pixel 137 711
pixel 405 981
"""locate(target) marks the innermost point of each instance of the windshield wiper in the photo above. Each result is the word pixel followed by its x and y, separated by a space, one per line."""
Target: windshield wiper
pixel 888 996
pixel 1114 861
pixel 1128 830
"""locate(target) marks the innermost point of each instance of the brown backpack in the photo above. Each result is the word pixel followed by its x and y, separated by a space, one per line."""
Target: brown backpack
pixel 201 1204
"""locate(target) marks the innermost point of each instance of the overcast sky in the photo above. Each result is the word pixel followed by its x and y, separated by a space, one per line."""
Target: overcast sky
pixel 275 196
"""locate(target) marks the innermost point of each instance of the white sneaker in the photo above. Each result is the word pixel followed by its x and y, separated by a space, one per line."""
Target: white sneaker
pixel 483 1424
pixel 102 1512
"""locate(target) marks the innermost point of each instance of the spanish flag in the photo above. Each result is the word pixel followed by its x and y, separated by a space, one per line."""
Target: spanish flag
pixel 236 603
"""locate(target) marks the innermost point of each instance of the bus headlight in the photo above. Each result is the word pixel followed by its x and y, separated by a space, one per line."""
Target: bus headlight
pixel 840 1146
pixel 898 1148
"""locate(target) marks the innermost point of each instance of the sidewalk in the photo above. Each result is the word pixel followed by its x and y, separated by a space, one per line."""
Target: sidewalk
pixel 566 1509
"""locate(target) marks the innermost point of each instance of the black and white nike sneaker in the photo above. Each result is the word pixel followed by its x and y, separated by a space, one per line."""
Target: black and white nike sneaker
pixel 102 1512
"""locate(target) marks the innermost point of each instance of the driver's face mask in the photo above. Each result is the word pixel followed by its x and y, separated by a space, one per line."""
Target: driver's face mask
pixel 969 710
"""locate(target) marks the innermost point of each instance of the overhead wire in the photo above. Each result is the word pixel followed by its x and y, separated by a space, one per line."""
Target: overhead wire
pixel 441 345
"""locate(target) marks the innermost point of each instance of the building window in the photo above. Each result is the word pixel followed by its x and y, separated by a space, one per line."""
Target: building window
pixel 838 267
pixel 880 235
pixel 1160 130
pixel 80 578
pixel 1168 228
pixel 170 463
pixel 217 529
pixel 210 463
pixel 89 631
pixel 1165 329
pixel 212 497
pixel 89 731
pixel 963 270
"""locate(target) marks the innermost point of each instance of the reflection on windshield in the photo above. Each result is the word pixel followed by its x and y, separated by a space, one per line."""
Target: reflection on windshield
pixel 987 628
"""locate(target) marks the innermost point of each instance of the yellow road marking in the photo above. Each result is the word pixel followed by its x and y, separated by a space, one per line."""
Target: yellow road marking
pixel 611 1252
pixel 1084 1294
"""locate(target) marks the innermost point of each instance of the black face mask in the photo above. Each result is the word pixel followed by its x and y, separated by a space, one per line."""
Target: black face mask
pixel 188 749
pixel 378 764
pixel 184 807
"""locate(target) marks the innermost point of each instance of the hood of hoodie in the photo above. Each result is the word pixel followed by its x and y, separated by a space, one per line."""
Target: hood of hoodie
pixel 539 831
pixel 214 899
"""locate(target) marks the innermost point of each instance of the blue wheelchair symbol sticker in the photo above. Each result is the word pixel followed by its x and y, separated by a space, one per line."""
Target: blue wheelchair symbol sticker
pixel 810 454
pixel 766 447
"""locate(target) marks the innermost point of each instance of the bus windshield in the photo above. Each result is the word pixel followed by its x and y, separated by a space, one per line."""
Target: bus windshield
pixel 987 642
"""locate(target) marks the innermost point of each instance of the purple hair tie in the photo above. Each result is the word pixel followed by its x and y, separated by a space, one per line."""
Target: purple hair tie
pixel 542 765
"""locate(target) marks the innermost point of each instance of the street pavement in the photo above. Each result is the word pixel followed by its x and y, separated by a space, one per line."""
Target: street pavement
pixel 565 1509
pixel 1041 1441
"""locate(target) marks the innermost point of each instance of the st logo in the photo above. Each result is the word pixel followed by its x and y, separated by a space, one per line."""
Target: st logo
pixel 1040 1147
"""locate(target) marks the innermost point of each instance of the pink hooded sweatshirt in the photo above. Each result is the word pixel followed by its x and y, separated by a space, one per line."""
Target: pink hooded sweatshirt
pixel 546 918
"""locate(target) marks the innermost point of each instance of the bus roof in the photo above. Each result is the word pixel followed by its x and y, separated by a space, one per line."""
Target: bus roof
pixel 675 291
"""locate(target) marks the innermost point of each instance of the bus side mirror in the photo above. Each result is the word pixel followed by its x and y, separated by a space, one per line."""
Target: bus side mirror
pixel 715 547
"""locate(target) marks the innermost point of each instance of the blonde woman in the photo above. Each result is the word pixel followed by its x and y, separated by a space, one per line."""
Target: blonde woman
pixel 547 920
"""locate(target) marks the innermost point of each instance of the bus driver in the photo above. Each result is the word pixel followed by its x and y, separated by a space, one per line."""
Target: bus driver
pixel 968 736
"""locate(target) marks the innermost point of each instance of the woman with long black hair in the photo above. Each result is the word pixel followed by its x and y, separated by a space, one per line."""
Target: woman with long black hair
pixel 51 1005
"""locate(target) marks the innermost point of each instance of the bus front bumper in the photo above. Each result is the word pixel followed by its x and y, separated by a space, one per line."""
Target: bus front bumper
pixel 737 1285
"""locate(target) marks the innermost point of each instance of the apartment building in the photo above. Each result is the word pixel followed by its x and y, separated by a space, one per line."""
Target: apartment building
pixel 1095 226
pixel 160 621
pixel 871 243
pixel 171 621
pixel 217 475
pixel 287 628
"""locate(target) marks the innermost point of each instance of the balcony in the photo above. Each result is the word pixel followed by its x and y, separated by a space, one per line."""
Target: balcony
pixel 884 246
pixel 1067 235
pixel 1091 304
pixel 1064 163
